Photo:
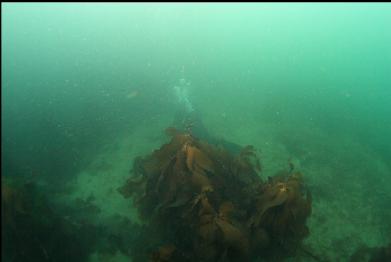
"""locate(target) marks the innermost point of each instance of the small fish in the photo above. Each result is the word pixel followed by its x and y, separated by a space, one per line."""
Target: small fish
pixel 132 94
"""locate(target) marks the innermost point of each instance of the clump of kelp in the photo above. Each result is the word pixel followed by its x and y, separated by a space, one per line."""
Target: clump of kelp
pixel 36 228
pixel 201 202
pixel 33 231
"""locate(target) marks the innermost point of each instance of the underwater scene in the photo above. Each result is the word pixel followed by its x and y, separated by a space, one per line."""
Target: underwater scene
pixel 189 132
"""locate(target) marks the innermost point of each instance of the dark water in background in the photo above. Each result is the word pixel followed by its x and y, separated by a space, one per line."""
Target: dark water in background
pixel 70 72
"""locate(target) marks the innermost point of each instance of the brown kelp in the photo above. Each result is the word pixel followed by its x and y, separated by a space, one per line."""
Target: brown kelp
pixel 204 203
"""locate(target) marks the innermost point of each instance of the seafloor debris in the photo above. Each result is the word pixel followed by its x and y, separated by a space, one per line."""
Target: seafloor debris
pixel 203 203
pixel 372 254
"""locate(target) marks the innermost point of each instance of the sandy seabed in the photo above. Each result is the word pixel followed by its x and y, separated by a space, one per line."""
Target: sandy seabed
pixel 350 185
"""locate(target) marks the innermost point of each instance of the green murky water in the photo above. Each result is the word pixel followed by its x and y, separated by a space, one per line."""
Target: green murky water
pixel 88 87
